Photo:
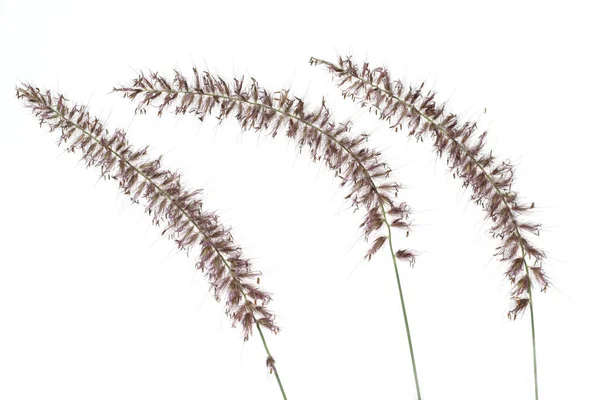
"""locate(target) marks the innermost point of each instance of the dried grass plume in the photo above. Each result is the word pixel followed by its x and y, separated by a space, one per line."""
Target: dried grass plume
pixel 178 210
pixel 359 168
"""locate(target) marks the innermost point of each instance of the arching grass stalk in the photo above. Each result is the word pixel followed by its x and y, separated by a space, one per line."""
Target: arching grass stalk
pixel 255 108
pixel 140 177
pixel 491 181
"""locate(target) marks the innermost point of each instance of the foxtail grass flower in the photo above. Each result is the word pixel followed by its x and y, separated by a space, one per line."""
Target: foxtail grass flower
pixel 255 108
pixel 359 168
pixel 490 180
pixel 170 205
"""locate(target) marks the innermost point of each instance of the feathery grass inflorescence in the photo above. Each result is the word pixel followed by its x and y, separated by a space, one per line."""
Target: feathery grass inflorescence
pixel 490 180
pixel 255 108
pixel 180 211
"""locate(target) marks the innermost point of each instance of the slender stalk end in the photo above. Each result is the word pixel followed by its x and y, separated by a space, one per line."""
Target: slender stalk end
pixel 403 255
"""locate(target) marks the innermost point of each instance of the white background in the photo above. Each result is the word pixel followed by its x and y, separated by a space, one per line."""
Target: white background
pixel 95 304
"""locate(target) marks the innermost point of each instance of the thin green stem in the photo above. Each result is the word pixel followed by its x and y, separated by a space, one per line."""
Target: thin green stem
pixel 533 342
pixel 264 342
pixel 535 378
pixel 410 346
pixel 225 261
